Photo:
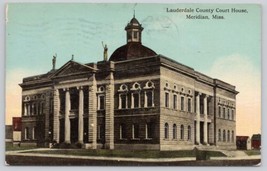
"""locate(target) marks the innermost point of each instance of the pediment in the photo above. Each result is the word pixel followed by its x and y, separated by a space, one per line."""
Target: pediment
pixel 72 68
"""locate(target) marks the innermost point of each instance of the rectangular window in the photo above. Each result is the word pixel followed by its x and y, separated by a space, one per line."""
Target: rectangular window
pixel 149 98
pixel 233 115
pixel 26 133
pixel 224 113
pixel 201 105
pixel 175 101
pixel 136 100
pixel 189 105
pixel 101 102
pixel 135 129
pixel 135 34
pixel 51 106
pixel 220 114
pixel 182 103
pixel 166 99
pixel 122 131
pixel 149 130
pixel 100 132
pixel 123 101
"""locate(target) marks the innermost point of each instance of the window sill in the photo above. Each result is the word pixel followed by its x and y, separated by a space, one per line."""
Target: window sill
pixel 123 139
pixel 148 139
pixel 135 139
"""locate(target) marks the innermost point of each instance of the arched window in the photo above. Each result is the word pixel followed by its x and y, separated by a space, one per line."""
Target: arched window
pixel 224 112
pixel 135 95
pixel 123 97
pixel 233 136
pixel 149 94
pixel 224 136
pixel 174 131
pixel 228 113
pixel 166 131
pixel 182 132
pixel 189 133
pixel 219 135
pixel 228 136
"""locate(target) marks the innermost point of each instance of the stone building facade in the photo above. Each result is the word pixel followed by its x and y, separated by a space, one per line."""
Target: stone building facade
pixel 138 99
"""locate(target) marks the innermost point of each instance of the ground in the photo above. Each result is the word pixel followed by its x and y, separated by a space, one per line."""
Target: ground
pixel 16 155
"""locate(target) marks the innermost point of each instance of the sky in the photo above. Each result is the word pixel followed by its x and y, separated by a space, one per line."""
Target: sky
pixel 228 49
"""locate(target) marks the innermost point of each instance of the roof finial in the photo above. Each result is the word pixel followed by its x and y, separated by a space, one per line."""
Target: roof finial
pixel 134 14
pixel 72 57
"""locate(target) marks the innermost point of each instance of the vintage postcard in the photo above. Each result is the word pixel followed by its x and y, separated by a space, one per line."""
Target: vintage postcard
pixel 133 84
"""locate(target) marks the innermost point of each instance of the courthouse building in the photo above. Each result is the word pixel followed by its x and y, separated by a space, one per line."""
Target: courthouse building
pixel 137 99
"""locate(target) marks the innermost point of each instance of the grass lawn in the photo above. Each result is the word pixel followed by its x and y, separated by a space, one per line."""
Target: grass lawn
pixel 11 147
pixel 253 152
pixel 128 153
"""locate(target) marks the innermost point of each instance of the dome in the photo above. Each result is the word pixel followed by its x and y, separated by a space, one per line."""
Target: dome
pixel 131 51
pixel 134 48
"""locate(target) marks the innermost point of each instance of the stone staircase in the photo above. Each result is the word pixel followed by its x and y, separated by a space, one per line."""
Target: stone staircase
pixel 228 153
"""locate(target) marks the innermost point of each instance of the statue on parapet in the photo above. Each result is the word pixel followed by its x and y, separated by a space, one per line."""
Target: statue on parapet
pixel 105 54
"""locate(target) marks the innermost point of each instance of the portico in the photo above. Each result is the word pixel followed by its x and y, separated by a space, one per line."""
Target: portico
pixel 202 120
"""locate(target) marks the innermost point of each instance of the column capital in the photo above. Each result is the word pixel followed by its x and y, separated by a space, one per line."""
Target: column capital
pixel 66 89
pixel 205 95
pixel 198 93
pixel 79 87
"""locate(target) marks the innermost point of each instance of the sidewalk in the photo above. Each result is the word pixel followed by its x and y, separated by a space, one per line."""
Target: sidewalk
pixel 19 153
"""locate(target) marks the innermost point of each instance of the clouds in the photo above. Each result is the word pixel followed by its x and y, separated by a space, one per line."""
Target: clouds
pixel 239 70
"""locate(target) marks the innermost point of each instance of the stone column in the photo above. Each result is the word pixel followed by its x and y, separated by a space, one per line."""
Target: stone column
pixel 198 118
pixel 29 109
pixel 145 96
pixel 109 119
pixel 120 101
pixel 56 123
pixel 80 117
pixel 205 119
pixel 32 109
pixel 47 115
pixel 67 116
pixel 25 109
pixel 92 113
pixel 132 100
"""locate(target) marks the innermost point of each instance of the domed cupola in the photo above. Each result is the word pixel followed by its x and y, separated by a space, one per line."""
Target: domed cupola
pixel 133 48
pixel 133 31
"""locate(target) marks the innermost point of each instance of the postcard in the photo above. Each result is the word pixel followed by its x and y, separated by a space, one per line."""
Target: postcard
pixel 105 84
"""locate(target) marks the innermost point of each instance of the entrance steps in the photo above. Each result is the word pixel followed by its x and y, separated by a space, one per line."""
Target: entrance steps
pixel 228 153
